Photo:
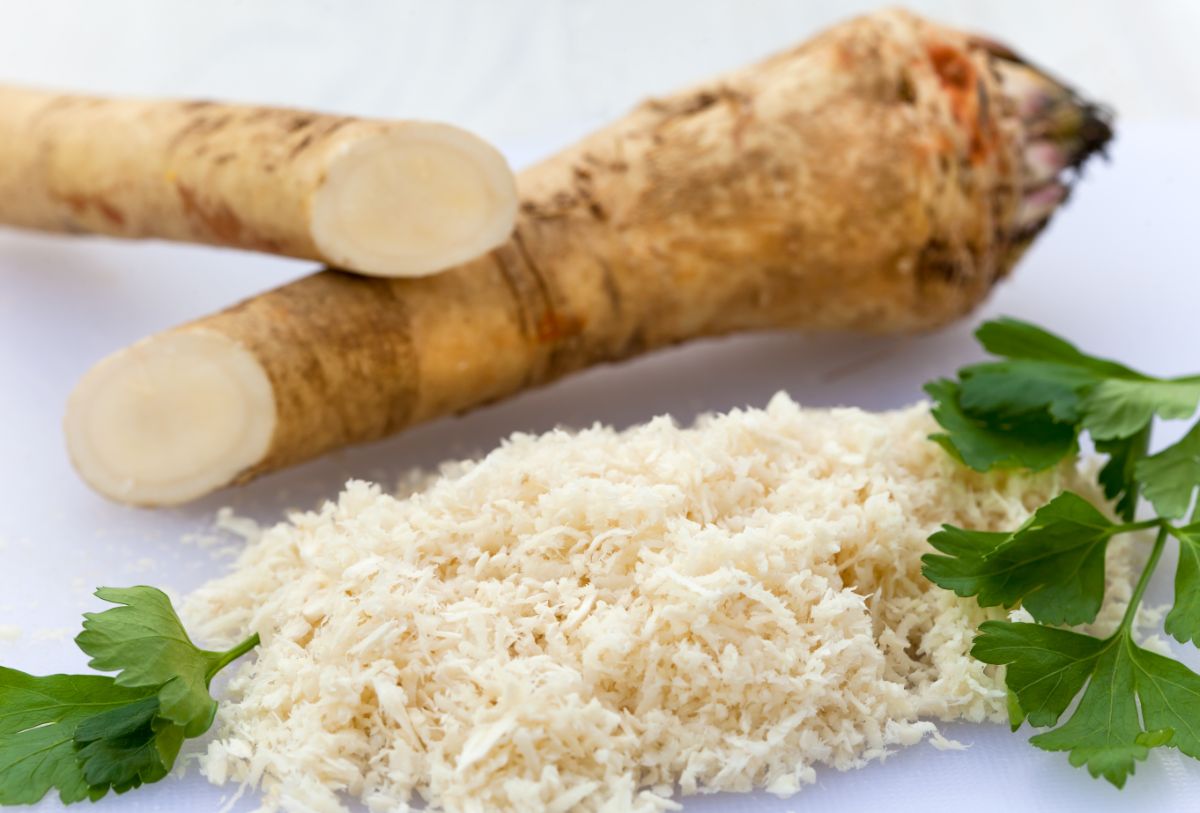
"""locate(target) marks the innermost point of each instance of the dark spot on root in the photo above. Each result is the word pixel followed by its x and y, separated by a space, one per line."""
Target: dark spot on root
pixel 199 127
pixel 300 146
pixel 635 345
pixel 502 265
pixel 223 158
pixel 111 213
pixel 611 291
pixel 318 134
pixel 194 125
pixel 985 111
pixel 906 91
pixel 940 262
pixel 335 125
pixel 997 49
pixel 219 123
pixel 687 106
pixel 299 122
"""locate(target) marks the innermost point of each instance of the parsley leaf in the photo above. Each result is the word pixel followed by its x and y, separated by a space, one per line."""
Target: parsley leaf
pixel 1171 476
pixel 1119 474
pixel 1043 373
pixel 39 717
pixel 85 735
pixel 1135 699
pixel 1013 338
pixel 1047 666
pixel 1035 441
pixel 1006 390
pixel 1169 693
pixel 127 746
pixel 1054 563
pixel 1028 409
pixel 1118 408
pixel 1105 733
pixel 1183 621
pixel 145 642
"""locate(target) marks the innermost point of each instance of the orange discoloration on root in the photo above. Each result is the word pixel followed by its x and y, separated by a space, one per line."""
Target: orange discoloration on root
pixel 222 225
pixel 80 204
pixel 968 96
pixel 555 327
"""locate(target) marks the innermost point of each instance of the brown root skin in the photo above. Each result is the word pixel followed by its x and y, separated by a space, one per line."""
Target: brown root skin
pixel 867 180
pixel 286 182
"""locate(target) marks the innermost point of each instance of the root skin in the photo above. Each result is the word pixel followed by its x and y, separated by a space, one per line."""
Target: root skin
pixel 246 177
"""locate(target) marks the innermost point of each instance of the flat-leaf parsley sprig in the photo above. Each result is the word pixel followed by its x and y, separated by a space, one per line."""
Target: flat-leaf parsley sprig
pixel 1028 410
pixel 84 735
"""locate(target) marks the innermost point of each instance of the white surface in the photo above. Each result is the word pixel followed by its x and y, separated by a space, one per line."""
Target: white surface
pixel 511 68
pixel 1118 272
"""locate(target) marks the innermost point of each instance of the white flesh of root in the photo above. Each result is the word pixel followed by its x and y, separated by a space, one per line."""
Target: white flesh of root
pixel 413 202
pixel 170 418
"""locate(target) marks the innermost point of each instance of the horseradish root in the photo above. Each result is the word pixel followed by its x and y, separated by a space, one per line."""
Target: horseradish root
pixel 387 198
pixel 880 177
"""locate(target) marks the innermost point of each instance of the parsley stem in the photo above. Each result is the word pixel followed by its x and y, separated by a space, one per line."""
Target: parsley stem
pixel 1143 582
pixel 1156 522
pixel 233 654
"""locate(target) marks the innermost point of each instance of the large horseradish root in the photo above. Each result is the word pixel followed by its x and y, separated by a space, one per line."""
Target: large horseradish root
pixel 880 177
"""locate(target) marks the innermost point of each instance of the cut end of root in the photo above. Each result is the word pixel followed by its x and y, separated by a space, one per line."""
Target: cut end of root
pixel 414 201
pixel 171 418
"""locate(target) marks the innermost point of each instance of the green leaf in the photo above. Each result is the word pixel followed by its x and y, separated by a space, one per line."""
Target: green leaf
pixel 1009 390
pixel 1027 410
pixel 966 551
pixel 1170 477
pixel 128 746
pixel 1183 621
pixel 1169 695
pixel 1053 564
pixel 1047 666
pixel 1035 442
pixel 1104 733
pixel 1118 408
pixel 1135 699
pixel 144 641
pixel 1012 338
pixel 87 734
pixel 39 717
pixel 1118 476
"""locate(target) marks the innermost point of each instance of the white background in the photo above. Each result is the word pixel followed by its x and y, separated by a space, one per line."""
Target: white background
pixel 1119 272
